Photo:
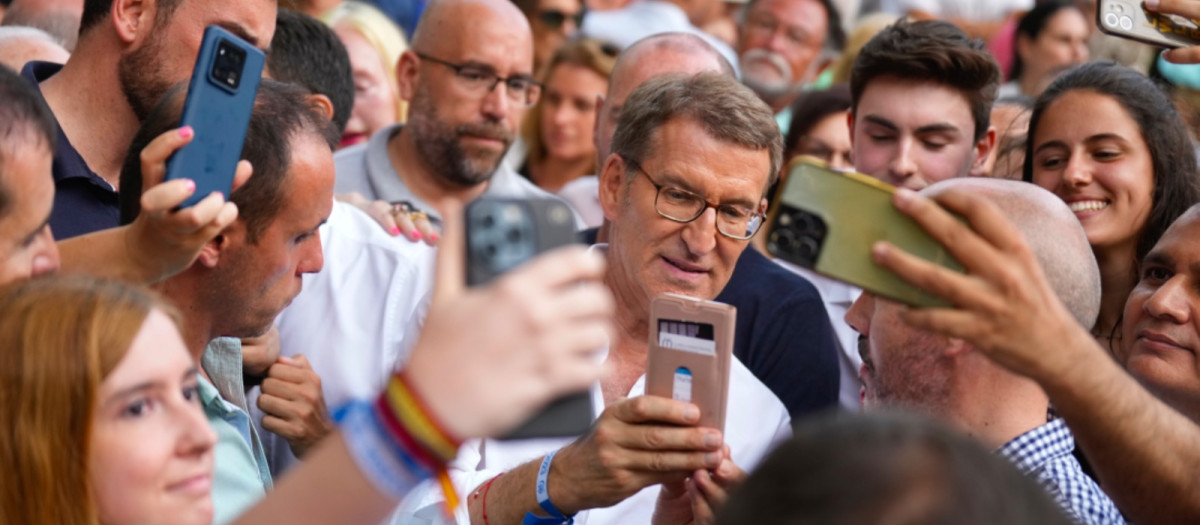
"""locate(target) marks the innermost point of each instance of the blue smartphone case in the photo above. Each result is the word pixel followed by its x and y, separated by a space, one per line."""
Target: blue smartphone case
pixel 220 98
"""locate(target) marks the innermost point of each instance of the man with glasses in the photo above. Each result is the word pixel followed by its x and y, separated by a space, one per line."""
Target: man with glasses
pixel 552 23
pixel 684 190
pixel 468 79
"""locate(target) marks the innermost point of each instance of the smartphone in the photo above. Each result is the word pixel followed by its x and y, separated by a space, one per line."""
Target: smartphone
pixel 1129 19
pixel 501 235
pixel 691 348
pixel 828 220
pixel 220 98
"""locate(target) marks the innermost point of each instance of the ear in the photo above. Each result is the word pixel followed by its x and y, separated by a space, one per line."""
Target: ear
pixel 1024 47
pixel 407 74
pixel 322 103
pixel 612 182
pixel 210 254
pixel 132 19
pixel 983 150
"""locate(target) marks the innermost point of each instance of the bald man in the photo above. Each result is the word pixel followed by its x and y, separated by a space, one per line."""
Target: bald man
pixel 19 44
pixel 910 369
pixel 469 80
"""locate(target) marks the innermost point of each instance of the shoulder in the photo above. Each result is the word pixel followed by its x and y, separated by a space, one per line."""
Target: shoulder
pixel 757 276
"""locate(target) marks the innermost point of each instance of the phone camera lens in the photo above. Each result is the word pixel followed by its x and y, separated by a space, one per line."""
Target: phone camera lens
pixel 515 235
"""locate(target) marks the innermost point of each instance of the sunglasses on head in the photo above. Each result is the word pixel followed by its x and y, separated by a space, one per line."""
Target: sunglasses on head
pixel 554 19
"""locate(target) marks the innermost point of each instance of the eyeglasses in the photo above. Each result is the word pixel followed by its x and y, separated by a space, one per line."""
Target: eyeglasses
pixel 680 205
pixel 478 80
pixel 553 19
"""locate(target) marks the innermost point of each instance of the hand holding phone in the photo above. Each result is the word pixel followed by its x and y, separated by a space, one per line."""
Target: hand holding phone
pixel 1132 20
pixel 691 349
pixel 219 101
pixel 501 235
pixel 827 221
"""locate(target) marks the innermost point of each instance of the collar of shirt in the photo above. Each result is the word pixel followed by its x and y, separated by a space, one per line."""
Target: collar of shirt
pixel 68 163
pixel 1033 449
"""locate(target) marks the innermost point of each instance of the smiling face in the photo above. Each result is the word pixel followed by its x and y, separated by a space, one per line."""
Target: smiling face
pixel 1161 327
pixel 651 254
pixel 150 454
pixel 1091 153
pixel 914 133
pixel 902 367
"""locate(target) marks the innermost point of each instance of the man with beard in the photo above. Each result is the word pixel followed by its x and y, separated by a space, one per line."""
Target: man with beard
pixel 785 44
pixel 129 53
pixel 949 379
pixel 468 79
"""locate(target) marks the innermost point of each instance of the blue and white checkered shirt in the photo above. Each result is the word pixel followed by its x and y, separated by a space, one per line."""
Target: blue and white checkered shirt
pixel 1044 454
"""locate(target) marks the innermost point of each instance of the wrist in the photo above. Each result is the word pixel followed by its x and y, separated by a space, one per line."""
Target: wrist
pixel 560 487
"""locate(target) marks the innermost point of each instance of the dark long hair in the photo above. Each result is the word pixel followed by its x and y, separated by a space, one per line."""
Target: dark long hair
pixel 1032 25
pixel 1172 154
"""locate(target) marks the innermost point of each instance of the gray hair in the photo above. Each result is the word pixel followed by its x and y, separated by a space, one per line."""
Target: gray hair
pixel 727 111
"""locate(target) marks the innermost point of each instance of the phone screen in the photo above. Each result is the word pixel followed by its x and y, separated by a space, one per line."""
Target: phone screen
pixel 691 337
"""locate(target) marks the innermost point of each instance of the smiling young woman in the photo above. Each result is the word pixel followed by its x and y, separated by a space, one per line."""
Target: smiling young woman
pixel 1108 141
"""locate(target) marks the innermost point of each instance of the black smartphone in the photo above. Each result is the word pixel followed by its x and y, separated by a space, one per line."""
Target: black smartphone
pixel 501 235
pixel 1130 19
pixel 827 221
pixel 220 98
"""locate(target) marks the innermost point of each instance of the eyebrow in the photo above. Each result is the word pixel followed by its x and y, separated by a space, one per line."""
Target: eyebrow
pixel 1090 140
pixel 669 179
pixel 242 33
pixel 146 386
pixel 940 127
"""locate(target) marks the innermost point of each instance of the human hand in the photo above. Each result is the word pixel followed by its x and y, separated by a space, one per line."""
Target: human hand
pixel 697 499
pixel 163 240
pixel 1189 9
pixel 634 443
pixel 395 219
pixel 1004 305
pixel 489 357
pixel 294 404
pixel 259 353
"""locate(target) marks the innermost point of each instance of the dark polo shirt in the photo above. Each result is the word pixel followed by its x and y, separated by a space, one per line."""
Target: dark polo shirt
pixel 83 201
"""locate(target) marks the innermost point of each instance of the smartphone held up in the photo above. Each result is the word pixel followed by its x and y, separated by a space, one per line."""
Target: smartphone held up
pixel 220 98
pixel 828 221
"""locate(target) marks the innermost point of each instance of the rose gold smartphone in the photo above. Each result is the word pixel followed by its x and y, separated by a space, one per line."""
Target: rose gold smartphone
pixel 1129 19
pixel 691 349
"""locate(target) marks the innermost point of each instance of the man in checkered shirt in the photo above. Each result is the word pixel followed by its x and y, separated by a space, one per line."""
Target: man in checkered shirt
pixel 915 370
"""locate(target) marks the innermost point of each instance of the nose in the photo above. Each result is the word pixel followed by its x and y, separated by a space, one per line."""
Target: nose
pixel 561 114
pixel 859 314
pixel 496 103
pixel 313 257
pixel 1169 302
pixel 45 258
pixel 700 235
pixel 1077 174
pixel 903 167
pixel 196 436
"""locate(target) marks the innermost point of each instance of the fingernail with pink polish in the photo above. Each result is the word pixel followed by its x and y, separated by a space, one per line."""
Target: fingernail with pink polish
pixel 186 132
pixel 395 231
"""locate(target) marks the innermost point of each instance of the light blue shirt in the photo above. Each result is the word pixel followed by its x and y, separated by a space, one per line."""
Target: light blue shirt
pixel 241 477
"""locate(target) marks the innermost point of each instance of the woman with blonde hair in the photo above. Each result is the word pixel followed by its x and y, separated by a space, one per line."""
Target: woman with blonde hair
pixel 558 130
pixel 100 409
pixel 374 44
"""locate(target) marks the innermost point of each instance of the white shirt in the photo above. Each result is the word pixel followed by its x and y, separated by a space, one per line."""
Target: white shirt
pixel 970 10
pixel 642 18
pixel 755 421
pixel 357 319
pixel 838 298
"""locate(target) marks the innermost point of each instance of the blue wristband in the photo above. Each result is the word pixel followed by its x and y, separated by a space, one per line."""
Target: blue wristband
pixel 378 457
pixel 543 499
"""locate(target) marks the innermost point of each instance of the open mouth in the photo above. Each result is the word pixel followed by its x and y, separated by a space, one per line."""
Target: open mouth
pixel 1087 206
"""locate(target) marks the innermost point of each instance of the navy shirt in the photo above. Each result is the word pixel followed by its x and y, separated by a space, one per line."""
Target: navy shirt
pixel 83 201
pixel 783 333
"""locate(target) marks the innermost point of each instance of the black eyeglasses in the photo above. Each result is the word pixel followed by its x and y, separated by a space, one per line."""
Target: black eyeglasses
pixel 479 79
pixel 680 205
pixel 553 19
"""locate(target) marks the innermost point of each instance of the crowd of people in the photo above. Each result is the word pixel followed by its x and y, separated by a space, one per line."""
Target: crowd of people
pixel 304 348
